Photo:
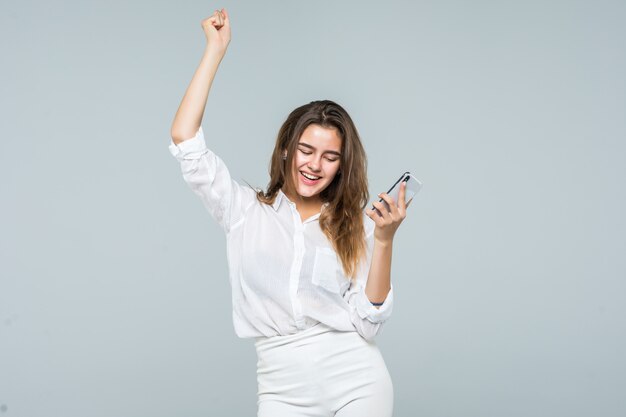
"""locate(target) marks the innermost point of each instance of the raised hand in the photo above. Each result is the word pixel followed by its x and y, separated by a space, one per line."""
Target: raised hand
pixel 217 30
pixel 387 222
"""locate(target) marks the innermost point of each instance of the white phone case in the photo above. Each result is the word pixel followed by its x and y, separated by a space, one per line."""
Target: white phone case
pixel 413 185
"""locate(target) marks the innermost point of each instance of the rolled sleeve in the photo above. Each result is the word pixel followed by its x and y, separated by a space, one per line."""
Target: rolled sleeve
pixel 367 319
pixel 367 310
pixel 209 178
pixel 190 149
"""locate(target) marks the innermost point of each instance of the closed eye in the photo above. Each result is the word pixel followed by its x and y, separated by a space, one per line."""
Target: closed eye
pixel 309 153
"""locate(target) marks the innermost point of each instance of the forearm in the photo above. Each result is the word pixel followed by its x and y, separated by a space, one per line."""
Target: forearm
pixel 379 277
pixel 189 115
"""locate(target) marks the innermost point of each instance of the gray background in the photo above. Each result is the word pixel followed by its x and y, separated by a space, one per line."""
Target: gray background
pixel 509 269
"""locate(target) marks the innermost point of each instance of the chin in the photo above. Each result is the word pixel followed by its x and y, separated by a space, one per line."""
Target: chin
pixel 309 193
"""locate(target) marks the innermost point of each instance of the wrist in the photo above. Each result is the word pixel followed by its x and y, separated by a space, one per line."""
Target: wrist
pixel 383 243
pixel 215 51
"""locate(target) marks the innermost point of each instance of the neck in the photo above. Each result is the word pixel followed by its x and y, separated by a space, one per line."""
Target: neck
pixel 306 202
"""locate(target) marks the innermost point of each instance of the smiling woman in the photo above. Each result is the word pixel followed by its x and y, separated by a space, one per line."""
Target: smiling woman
pixel 310 267
pixel 319 140
pixel 313 162
pixel 319 165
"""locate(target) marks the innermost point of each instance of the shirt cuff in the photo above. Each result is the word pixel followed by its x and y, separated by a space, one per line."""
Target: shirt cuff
pixel 365 308
pixel 191 148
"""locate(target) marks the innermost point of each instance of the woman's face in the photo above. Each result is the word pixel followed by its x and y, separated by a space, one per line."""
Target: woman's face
pixel 318 157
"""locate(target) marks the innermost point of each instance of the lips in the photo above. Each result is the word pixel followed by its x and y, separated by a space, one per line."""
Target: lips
pixel 310 176
pixel 308 181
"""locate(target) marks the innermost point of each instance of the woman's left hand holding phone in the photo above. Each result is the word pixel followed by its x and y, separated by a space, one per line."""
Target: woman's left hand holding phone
pixel 387 222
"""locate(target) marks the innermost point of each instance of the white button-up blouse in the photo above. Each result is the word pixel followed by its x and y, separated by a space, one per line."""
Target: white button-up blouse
pixel 284 274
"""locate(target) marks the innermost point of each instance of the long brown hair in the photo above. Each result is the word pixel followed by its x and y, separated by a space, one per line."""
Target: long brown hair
pixel 347 195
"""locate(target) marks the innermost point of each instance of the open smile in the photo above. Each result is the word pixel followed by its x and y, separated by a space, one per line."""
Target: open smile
pixel 309 179
pixel 310 176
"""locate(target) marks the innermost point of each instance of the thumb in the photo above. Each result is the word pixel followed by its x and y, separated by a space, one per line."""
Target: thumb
pixel 226 18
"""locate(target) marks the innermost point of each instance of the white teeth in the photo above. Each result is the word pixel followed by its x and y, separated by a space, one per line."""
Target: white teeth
pixel 310 177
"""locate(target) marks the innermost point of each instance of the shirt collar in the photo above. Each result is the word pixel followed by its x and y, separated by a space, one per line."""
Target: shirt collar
pixel 279 197
pixel 277 200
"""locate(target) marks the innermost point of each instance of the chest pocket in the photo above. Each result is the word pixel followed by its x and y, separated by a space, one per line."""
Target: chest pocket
pixel 326 269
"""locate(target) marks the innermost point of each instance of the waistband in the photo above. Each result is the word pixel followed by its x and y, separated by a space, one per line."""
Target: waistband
pixel 265 343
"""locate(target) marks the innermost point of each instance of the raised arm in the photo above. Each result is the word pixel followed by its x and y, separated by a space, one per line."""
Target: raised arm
pixel 189 114
pixel 204 171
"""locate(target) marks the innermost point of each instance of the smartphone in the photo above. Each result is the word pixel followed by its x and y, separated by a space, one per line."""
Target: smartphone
pixel 413 185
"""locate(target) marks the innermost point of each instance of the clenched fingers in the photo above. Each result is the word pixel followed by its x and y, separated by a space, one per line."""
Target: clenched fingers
pixel 395 213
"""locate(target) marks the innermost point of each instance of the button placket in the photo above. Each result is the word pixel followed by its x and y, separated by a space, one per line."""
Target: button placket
pixel 294 281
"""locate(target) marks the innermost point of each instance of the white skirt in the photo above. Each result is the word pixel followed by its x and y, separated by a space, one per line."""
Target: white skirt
pixel 322 372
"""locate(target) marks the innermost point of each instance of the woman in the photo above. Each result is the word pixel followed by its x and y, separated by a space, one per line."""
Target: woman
pixel 309 267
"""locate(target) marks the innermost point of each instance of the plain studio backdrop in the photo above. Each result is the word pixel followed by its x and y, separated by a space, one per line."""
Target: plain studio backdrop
pixel 509 269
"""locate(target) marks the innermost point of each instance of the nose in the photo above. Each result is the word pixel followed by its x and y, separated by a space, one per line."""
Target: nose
pixel 314 164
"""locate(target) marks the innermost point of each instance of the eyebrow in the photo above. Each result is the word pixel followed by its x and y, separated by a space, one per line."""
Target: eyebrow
pixel 313 147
